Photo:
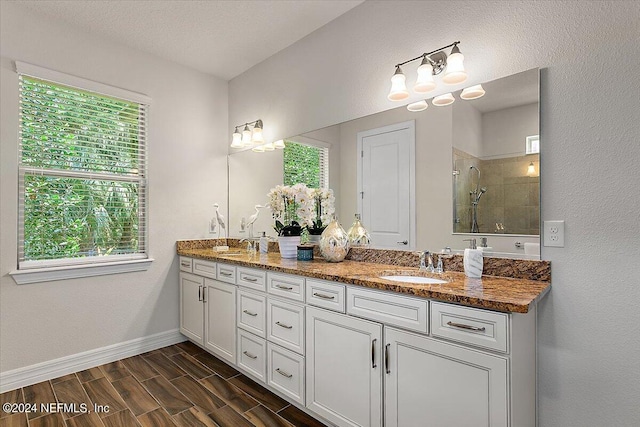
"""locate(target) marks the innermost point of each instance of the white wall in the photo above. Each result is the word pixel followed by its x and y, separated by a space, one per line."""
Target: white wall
pixel 467 128
pixel 589 372
pixel 188 137
pixel 504 132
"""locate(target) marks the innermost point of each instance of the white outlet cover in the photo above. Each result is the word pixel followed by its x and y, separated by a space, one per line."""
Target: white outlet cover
pixel 553 234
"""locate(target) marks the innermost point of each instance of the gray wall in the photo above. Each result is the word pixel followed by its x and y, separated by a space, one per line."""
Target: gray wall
pixel 187 174
pixel 588 341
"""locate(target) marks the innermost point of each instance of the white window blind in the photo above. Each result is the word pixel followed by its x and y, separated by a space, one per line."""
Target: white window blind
pixel 82 166
pixel 306 164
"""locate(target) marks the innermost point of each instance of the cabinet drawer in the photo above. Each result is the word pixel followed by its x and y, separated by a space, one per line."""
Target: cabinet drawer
pixel 285 285
pixel 204 268
pixel 388 308
pixel 325 294
pixel 481 328
pixel 285 324
pixel 252 355
pixel 286 372
pixel 226 273
pixel 252 278
pixel 252 312
pixel 186 264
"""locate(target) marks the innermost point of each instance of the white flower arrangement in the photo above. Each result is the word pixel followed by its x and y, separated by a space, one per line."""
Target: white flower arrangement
pixel 312 208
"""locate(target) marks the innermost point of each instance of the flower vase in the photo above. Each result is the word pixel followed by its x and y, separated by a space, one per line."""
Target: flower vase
pixel 358 235
pixel 288 246
pixel 334 242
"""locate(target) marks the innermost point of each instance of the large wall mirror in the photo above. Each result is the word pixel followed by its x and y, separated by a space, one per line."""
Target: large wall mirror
pixel 469 170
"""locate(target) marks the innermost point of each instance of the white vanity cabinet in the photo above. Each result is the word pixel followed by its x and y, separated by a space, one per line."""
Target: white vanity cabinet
pixel 354 356
pixel 207 308
pixel 344 368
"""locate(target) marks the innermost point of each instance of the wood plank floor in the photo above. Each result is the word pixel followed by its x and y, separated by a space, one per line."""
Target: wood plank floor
pixel 179 385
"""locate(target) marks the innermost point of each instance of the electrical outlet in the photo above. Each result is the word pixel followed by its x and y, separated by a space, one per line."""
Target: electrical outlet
pixel 553 233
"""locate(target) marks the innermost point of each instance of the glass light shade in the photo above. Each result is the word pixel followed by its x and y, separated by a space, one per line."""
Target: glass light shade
pixel 236 141
pixel 398 90
pixel 425 82
pixel 269 147
pixel 256 135
pixel 246 136
pixel 279 144
pixel 258 149
pixel 418 106
pixel 442 100
pixel 531 170
pixel 455 72
pixel 472 92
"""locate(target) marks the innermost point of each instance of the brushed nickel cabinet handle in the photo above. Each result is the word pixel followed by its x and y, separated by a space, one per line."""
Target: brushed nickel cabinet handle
pixel 185 264
pixel 249 313
pixel 404 242
pixel 283 373
pixel 249 355
pixel 282 325
pixel 315 294
pixel 286 288
pixel 224 273
pixel 386 358
pixel 200 293
pixel 468 327
pixel 373 353
pixel 204 294
pixel 249 279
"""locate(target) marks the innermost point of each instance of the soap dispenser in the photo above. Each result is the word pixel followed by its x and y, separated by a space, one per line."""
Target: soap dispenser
pixel 473 261
pixel 264 243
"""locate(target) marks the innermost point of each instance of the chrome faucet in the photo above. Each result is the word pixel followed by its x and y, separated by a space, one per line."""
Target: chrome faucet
pixel 426 262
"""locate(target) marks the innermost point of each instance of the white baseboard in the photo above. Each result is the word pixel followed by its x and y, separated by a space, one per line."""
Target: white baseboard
pixel 33 374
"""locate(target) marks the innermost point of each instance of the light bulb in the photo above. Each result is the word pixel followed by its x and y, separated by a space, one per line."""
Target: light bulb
pixel 455 68
pixel 418 106
pixel 269 147
pixel 236 141
pixel 472 92
pixel 258 149
pixel 531 170
pixel 279 144
pixel 442 100
pixel 246 136
pixel 398 90
pixel 425 82
pixel 256 136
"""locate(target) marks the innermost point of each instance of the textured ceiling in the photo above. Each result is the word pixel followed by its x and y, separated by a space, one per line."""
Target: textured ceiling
pixel 223 38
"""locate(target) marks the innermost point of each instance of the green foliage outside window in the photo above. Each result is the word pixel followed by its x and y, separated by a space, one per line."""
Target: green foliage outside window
pixel 69 131
pixel 301 165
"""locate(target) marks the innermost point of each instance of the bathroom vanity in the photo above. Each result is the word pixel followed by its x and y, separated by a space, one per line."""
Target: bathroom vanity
pixel 354 349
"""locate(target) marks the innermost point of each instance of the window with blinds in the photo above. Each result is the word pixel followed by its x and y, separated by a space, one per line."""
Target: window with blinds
pixel 82 183
pixel 306 164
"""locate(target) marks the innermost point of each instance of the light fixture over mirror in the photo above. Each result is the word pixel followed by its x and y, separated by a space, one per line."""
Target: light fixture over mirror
pixel 433 63
pixel 251 135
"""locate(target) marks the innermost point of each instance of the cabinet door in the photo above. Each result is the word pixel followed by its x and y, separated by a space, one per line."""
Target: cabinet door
pixel 191 308
pixel 432 383
pixel 344 368
pixel 220 319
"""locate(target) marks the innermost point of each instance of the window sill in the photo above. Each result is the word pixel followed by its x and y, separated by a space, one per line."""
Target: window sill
pixel 35 275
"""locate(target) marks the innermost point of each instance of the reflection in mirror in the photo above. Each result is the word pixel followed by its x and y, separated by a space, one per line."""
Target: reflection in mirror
pixel 448 140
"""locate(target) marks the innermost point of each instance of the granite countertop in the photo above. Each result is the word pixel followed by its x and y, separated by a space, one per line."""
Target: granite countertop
pixel 490 292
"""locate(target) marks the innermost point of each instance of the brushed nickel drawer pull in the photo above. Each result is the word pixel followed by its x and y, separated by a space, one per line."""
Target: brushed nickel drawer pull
pixel 185 264
pixel 200 293
pixel 463 326
pixel 283 373
pixel 249 313
pixel 286 288
pixel 386 358
pixel 315 294
pixel 282 325
pixel 373 353
pixel 249 279
pixel 204 294
pixel 249 355
pixel 224 273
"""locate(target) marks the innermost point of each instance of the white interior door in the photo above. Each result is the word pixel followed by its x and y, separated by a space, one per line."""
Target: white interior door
pixel 386 184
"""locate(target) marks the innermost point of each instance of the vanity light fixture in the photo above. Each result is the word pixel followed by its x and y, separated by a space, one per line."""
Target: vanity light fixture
pixel 258 149
pixel 251 134
pixel 433 63
pixel 418 106
pixel 442 100
pixel 531 170
pixel 269 147
pixel 472 92
pixel 279 144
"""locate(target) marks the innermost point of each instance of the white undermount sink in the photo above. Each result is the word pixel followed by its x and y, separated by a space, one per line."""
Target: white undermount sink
pixel 415 279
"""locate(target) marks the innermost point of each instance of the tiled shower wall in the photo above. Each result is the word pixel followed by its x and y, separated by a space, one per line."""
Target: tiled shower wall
pixel 512 198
